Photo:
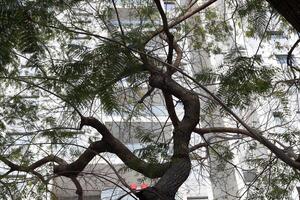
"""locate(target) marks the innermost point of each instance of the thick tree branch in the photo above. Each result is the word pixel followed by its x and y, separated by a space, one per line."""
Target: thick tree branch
pixel 109 144
pixel 50 158
pixel 289 9
pixel 167 186
pixel 74 168
pixel 191 108
pixel 203 131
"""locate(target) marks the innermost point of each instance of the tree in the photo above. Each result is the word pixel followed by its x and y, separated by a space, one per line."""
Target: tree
pixel 114 60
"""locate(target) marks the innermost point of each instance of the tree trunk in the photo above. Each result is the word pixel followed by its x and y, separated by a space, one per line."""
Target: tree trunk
pixel 169 184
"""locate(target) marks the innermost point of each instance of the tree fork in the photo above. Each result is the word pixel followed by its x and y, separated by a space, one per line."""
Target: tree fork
pixel 175 176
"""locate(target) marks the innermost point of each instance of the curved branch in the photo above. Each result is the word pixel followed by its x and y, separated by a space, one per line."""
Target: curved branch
pixel 290 59
pixel 191 109
pixel 31 168
pixel 203 131
pixel 109 144
pixel 289 56
pixel 280 153
pixel 50 158
pixel 167 186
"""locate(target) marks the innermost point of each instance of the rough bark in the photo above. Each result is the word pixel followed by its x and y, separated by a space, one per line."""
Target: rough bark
pixel 180 167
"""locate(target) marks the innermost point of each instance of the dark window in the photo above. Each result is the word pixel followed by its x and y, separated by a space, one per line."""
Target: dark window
pixel 249 175
pixel 298 190
pixel 281 58
pixel 275 34
pixel 169 5
pixel 198 198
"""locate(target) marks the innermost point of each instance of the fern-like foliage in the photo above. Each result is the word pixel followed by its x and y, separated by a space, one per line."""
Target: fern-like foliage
pixel 97 72
pixel 25 26
pixel 243 78
pixel 154 150
pixel 256 13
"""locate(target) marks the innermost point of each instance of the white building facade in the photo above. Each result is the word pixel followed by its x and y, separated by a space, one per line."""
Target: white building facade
pixel 146 129
pixel 211 178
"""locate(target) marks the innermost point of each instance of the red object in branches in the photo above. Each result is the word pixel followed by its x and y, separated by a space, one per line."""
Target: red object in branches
pixel 144 186
pixel 133 186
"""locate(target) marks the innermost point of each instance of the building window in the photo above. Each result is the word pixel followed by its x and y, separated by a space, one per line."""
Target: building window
pixel 127 132
pixel 275 34
pixel 198 198
pixel 298 190
pixel 169 5
pixel 249 176
pixel 281 58
pixel 157 111
pixel 115 193
pixel 257 58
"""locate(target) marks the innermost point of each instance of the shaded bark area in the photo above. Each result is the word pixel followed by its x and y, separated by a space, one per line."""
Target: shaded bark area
pixel 180 167
pixel 172 174
pixel 109 144
pixel 289 9
pixel 169 184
